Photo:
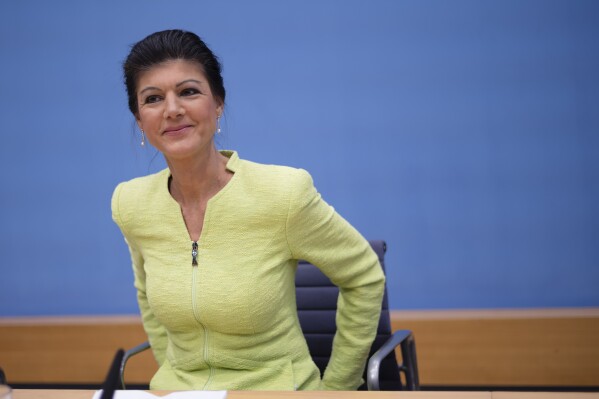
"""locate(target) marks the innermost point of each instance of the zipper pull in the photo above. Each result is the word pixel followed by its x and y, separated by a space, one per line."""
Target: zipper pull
pixel 194 253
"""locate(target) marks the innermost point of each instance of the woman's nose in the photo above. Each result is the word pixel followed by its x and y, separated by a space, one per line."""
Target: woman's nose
pixel 173 107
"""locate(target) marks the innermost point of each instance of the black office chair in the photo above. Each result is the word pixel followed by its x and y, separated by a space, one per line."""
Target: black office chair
pixel 317 305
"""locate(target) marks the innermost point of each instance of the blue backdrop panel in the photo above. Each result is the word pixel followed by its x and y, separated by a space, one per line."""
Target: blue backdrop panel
pixel 465 133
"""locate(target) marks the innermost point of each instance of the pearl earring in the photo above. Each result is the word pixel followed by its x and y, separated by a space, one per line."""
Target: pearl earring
pixel 218 124
pixel 143 138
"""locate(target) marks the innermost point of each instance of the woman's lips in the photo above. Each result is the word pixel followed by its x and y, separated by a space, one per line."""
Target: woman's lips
pixel 175 130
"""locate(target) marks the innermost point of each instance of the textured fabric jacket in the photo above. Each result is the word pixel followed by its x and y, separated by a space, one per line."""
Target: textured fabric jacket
pixel 230 322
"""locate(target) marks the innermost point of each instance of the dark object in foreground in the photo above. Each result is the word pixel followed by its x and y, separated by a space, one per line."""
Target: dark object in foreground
pixel 112 381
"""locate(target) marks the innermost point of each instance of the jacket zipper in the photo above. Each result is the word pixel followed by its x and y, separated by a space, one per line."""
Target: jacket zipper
pixel 194 253
pixel 194 264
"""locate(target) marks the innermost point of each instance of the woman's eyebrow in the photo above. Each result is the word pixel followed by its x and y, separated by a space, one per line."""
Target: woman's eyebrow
pixel 177 85
pixel 189 80
pixel 149 88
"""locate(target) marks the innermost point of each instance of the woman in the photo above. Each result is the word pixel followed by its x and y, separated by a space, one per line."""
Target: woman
pixel 215 239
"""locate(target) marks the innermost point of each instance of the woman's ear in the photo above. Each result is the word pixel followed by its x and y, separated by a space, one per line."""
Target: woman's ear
pixel 220 106
pixel 138 121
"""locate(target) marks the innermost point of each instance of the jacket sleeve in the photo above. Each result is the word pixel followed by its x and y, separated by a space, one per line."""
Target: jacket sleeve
pixel 316 233
pixel 155 331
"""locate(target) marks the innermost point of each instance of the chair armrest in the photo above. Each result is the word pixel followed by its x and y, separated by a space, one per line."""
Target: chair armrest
pixel 131 352
pixel 409 367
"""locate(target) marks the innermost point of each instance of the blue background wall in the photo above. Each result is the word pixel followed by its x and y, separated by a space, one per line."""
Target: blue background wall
pixel 465 133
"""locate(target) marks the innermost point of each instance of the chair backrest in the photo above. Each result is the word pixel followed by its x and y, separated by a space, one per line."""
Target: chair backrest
pixel 317 306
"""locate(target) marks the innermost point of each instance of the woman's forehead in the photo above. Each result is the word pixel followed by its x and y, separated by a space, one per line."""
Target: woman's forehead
pixel 171 70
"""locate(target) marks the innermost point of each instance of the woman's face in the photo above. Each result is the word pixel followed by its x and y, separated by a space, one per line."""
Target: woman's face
pixel 177 111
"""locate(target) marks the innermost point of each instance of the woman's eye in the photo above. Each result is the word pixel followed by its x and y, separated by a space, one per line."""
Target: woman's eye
pixel 151 99
pixel 189 92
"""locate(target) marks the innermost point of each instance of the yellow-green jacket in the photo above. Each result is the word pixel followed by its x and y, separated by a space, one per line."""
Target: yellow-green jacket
pixel 230 322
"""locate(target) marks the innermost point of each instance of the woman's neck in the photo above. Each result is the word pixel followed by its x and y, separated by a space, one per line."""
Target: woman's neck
pixel 195 181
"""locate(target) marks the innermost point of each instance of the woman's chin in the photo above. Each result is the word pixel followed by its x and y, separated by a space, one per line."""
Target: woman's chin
pixel 182 150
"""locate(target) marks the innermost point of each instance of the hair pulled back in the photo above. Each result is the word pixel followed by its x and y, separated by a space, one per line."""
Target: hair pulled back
pixel 170 45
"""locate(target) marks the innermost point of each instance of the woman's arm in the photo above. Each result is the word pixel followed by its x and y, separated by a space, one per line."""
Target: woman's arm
pixel 154 329
pixel 316 233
